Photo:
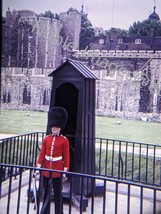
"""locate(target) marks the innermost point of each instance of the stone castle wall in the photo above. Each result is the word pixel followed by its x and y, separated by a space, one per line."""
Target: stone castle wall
pixel 30 41
pixel 129 86
pixel 129 82
pixel 27 89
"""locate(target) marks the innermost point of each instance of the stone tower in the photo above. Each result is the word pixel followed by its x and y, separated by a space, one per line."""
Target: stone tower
pixel 30 41
pixel 71 23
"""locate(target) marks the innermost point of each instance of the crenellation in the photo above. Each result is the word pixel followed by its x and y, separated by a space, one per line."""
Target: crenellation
pixel 117 53
pixel 129 81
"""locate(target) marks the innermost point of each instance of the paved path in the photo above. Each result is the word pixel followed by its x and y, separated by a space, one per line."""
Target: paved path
pixel 98 204
pixel 98 200
pixel 6 135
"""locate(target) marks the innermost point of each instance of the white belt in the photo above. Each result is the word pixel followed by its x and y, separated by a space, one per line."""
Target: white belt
pixel 49 158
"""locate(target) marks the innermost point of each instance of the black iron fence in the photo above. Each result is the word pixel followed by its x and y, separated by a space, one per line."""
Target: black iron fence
pixel 124 160
pixel 119 197
pixel 19 150
pixel 127 178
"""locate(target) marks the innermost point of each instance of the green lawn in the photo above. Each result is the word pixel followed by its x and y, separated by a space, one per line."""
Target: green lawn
pixel 132 130
pixel 21 122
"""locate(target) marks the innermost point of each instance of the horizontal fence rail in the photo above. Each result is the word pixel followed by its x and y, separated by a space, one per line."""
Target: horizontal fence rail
pixel 20 150
pixel 118 197
pixel 124 160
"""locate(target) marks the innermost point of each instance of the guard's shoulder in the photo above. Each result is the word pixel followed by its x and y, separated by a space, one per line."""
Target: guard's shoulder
pixel 63 136
pixel 47 136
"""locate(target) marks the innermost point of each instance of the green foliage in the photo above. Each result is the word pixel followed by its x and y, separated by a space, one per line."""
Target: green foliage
pixel 64 36
pixel 86 34
pixel 14 39
pixel 145 28
pixel 122 32
pixel 138 168
pixel 71 9
pixel 49 14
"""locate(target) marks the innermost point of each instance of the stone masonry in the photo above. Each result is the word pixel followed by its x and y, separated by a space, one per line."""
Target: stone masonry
pixel 128 84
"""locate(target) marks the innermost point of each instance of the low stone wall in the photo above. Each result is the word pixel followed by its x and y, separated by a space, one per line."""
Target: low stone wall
pixel 151 117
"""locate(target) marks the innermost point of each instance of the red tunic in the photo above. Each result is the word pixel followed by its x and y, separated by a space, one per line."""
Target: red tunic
pixel 61 148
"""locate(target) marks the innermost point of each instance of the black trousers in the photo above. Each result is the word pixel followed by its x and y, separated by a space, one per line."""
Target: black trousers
pixel 56 185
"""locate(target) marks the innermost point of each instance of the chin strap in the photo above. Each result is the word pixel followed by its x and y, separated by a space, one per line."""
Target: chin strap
pixel 58 134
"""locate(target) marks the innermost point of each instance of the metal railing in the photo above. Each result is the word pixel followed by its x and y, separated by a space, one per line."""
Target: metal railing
pixel 117 197
pixel 19 150
pixel 125 160
pixel 127 178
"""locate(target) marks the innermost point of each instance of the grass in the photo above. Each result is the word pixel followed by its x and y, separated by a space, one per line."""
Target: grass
pixel 132 130
pixel 132 164
pixel 21 122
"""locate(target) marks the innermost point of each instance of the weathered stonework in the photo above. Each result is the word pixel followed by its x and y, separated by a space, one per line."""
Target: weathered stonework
pixel 30 41
pixel 129 82
pixel 72 25
pixel 129 87
pixel 27 89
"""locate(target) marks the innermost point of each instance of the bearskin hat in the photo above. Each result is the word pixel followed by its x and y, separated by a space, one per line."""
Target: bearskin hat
pixel 57 117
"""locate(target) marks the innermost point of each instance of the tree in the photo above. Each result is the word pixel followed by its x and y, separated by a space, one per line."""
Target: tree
pixel 87 32
pixel 71 9
pixel 122 32
pixel 146 28
pixel 49 14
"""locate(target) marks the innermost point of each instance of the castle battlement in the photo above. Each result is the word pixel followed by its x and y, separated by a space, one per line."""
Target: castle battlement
pixel 28 15
pixel 64 15
pixel 31 19
pixel 24 72
pixel 21 13
pixel 117 54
